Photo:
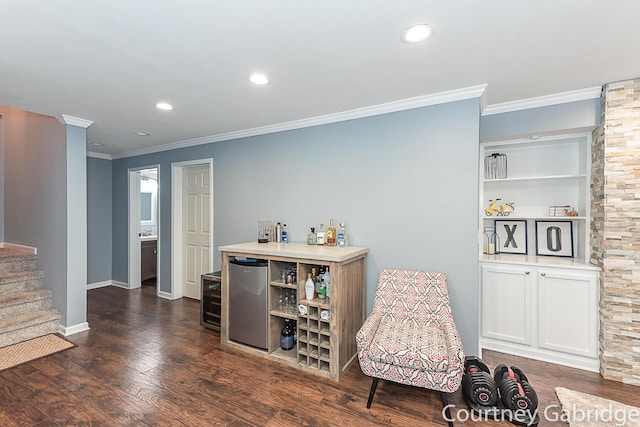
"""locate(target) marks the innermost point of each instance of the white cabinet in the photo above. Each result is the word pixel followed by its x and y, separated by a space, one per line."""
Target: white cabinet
pixel 541 312
pixel 567 315
pixel 506 303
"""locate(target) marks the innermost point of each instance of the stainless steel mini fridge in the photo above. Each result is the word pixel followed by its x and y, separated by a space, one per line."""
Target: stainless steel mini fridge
pixel 248 299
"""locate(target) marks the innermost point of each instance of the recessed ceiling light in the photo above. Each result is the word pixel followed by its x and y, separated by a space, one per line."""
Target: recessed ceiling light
pixel 142 133
pixel 97 144
pixel 416 33
pixel 259 79
pixel 534 137
pixel 164 106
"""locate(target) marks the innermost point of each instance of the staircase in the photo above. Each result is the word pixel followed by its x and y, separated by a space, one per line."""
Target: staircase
pixel 25 306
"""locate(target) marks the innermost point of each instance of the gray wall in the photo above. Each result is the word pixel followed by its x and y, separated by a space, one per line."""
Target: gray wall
pixel 99 204
pixel 35 194
pixel 571 115
pixel 405 183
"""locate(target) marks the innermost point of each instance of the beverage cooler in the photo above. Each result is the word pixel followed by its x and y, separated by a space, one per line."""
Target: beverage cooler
pixel 248 297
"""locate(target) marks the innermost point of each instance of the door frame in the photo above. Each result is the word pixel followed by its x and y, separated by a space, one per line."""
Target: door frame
pixel 177 237
pixel 134 245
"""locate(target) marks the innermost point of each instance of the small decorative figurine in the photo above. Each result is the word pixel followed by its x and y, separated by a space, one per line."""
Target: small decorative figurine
pixel 493 208
pixel 571 212
pixel 502 210
pixel 506 209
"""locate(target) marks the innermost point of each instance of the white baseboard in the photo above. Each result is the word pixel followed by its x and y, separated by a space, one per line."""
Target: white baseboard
pixel 165 295
pixel 123 285
pixel 97 285
pixel 16 246
pixel 573 361
pixel 106 283
pixel 74 329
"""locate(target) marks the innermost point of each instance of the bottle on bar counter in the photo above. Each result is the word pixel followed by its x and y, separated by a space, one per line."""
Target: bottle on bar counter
pixel 331 233
pixel 321 236
pixel 342 236
pixel 312 237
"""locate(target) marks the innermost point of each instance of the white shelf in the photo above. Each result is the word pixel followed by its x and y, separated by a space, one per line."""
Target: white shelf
pixel 534 217
pixel 535 178
pixel 539 260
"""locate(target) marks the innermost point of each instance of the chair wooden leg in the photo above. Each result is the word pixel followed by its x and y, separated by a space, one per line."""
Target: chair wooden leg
pixel 374 384
pixel 445 406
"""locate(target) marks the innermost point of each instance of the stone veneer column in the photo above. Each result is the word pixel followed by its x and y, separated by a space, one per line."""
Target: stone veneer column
pixel 615 229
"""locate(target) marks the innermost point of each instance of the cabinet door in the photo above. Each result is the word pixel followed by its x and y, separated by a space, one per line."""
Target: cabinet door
pixel 506 303
pixel 568 311
pixel 148 260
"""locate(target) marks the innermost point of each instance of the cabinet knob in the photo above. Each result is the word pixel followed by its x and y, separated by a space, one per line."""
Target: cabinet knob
pixel 543 274
pixel 527 272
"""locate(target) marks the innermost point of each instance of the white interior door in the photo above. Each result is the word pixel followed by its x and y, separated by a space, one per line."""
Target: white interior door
pixel 134 229
pixel 196 228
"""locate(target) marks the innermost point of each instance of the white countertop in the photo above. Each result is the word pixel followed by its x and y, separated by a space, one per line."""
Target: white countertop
pixel 297 250
pixel 541 261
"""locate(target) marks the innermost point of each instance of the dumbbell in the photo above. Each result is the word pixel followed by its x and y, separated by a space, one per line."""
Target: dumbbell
pixel 477 383
pixel 515 391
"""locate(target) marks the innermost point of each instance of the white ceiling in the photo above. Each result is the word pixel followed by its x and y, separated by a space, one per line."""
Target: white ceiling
pixel 111 61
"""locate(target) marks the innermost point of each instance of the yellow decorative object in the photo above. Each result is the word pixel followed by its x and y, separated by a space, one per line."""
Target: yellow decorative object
pixel 506 209
pixel 493 208
pixel 571 212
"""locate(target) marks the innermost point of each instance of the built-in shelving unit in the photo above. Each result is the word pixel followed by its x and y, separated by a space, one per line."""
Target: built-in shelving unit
pixel 543 172
pixel 533 305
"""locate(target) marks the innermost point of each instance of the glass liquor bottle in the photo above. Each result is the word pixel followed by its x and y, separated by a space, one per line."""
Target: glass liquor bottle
pixel 312 237
pixel 331 233
pixel 342 236
pixel 287 339
pixel 321 236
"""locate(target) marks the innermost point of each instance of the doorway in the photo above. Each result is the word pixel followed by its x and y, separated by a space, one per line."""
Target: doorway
pixel 144 227
pixel 192 226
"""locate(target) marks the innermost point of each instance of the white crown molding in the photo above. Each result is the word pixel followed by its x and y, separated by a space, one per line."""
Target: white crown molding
pixel 543 101
pixel 74 121
pixel 99 155
pixel 357 113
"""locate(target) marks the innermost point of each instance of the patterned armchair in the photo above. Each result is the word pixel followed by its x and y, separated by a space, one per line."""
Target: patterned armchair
pixel 410 336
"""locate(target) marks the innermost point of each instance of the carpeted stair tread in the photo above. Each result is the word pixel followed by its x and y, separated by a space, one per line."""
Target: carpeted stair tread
pixel 16 276
pixel 27 320
pixel 22 296
pixel 21 281
pixel 13 263
pixel 17 302
pixel 35 326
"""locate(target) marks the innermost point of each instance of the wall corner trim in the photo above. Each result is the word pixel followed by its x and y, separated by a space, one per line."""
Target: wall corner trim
pixel 74 121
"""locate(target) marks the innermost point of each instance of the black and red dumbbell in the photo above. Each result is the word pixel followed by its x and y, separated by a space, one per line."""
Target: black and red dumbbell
pixel 515 391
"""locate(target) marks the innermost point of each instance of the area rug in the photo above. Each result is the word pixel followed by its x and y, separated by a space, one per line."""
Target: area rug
pixel 582 410
pixel 26 351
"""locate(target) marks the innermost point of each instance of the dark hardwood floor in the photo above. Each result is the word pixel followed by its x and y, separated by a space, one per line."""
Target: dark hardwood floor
pixel 147 362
